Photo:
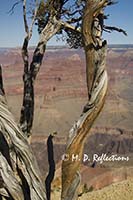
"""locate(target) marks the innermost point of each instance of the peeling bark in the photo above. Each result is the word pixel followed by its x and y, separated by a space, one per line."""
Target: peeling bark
pixel 96 77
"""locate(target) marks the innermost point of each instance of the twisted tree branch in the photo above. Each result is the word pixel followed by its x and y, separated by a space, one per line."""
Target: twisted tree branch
pixel 95 51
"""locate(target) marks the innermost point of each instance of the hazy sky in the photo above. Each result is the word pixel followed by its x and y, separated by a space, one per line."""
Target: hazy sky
pixel 12 31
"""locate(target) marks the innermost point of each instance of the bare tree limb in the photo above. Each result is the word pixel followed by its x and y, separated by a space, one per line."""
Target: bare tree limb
pixel 11 11
pixel 33 18
pixel 113 28
pixel 69 26
pixel 25 17
pixel 28 36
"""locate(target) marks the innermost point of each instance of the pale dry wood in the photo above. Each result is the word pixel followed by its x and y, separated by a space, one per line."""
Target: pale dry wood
pixel 24 161
pixel 18 167
pixel 7 174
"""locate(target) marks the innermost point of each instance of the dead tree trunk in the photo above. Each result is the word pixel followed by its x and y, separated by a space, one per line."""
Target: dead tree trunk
pixel 30 73
pixel 95 51
pixel 31 70
pixel 52 27
pixel 18 168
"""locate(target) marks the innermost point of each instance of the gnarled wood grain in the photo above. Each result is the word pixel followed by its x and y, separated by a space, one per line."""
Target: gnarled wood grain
pixel 95 51
pixel 18 168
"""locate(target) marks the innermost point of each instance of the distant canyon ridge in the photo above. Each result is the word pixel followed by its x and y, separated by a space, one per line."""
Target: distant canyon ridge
pixel 61 93
pixel 61 88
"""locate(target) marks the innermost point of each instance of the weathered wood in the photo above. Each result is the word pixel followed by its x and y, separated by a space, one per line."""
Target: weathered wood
pixel 18 168
pixel 95 51
pixel 31 70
